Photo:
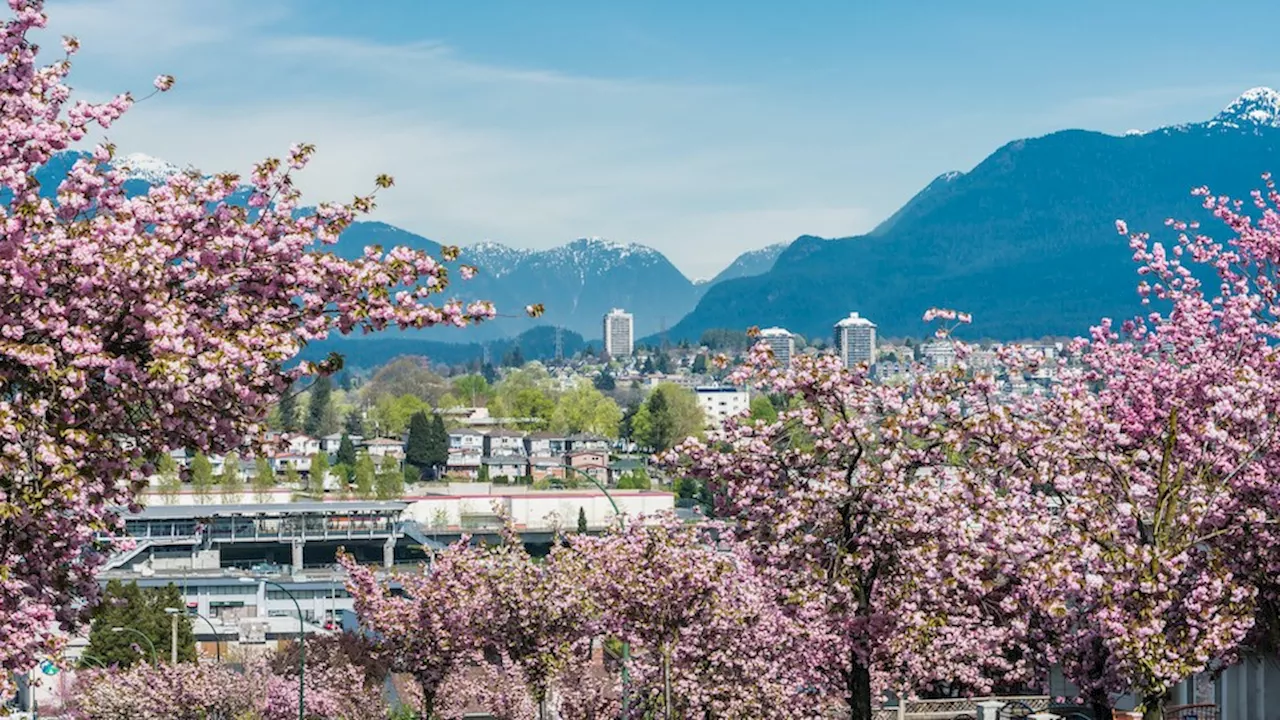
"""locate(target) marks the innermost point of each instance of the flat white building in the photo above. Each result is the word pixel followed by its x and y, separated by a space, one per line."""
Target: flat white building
pixel 619 333
pixel 855 340
pixel 720 403
pixel 782 342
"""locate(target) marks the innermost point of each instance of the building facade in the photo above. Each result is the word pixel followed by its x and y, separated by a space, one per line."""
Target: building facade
pixel 720 403
pixel 619 333
pixel 782 342
pixel 855 340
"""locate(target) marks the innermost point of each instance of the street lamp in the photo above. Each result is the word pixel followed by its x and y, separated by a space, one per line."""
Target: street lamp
pixel 626 646
pixel 85 656
pixel 217 639
pixel 302 642
pixel 155 657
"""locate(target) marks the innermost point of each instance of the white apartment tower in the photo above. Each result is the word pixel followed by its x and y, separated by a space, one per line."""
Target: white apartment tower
pixel 619 333
pixel 856 340
pixel 782 342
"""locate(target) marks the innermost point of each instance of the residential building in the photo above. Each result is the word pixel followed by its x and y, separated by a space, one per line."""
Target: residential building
pixel 464 462
pixel 466 439
pixel 940 354
pixel 781 342
pixel 511 467
pixel 298 443
pixel 546 444
pixel 592 462
pixel 504 442
pixel 385 447
pixel 587 441
pixel 719 403
pixel 330 443
pixel 619 334
pixel 855 340
pixel 543 467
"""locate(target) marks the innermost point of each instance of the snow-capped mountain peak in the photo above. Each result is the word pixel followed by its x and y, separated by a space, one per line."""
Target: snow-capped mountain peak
pixel 145 167
pixel 1256 106
pixel 493 257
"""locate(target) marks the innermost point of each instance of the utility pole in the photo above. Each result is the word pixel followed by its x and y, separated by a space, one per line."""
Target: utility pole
pixel 173 636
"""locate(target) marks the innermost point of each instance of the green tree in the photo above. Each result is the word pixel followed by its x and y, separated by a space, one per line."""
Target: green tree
pixel 141 610
pixel 483 475
pixel 605 381
pixel 201 477
pixel 489 373
pixel 288 408
pixel 346 451
pixel 472 390
pixel 585 409
pixel 418 448
pixel 316 472
pixel 699 366
pixel 438 447
pixel 405 375
pixel 291 477
pixel 389 482
pixel 264 479
pixel 354 422
pixel 230 483
pixel 365 476
pixel 637 479
pixel 762 409
pixel 674 414
pixel 392 414
pixel 582 520
pixel 321 418
pixel 170 478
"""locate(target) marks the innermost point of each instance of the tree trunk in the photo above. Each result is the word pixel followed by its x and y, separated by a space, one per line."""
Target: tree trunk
pixel 1153 706
pixel 1101 709
pixel 666 681
pixel 858 691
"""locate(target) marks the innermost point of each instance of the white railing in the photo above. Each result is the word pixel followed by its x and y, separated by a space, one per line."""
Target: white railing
pixel 953 708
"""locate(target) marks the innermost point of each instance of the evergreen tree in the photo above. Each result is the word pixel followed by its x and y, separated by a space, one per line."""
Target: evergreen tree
pixel 354 423
pixel 364 476
pixel 661 422
pixel 317 471
pixel 289 411
pixel 663 365
pixel 389 482
pixel 489 374
pixel 438 450
pixel 346 452
pixel 483 475
pixel 264 479
pixel 143 611
pixel 201 477
pixel 699 364
pixel 582 520
pixel 318 410
pixel 418 448
pixel 230 483
pixel 605 382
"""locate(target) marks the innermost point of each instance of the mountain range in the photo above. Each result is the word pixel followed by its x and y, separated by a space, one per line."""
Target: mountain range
pixel 1025 241
pixel 577 282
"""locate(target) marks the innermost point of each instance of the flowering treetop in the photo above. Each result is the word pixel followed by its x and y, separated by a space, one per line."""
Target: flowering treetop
pixel 131 325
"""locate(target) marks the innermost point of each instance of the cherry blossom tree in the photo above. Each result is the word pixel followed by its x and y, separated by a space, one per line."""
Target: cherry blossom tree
pixel 708 639
pixel 1165 446
pixel 889 515
pixel 430 630
pixel 132 325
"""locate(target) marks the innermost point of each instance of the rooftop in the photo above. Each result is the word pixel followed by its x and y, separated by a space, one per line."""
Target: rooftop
pixel 165 512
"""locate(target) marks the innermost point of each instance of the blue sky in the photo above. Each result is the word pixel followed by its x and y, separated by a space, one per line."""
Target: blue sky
pixel 702 129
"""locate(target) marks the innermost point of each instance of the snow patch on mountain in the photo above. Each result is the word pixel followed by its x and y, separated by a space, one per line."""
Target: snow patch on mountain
pixel 144 167
pixel 1253 111
pixel 494 258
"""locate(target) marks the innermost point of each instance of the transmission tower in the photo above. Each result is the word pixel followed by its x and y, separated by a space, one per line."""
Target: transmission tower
pixel 559 344
pixel 486 353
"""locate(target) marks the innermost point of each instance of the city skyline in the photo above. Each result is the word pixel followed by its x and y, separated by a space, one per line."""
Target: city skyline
pixel 663 125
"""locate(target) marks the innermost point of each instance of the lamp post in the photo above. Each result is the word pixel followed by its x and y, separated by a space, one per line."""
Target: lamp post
pixel 626 647
pixel 85 656
pixel 173 633
pixel 155 657
pixel 302 642
pixel 217 639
